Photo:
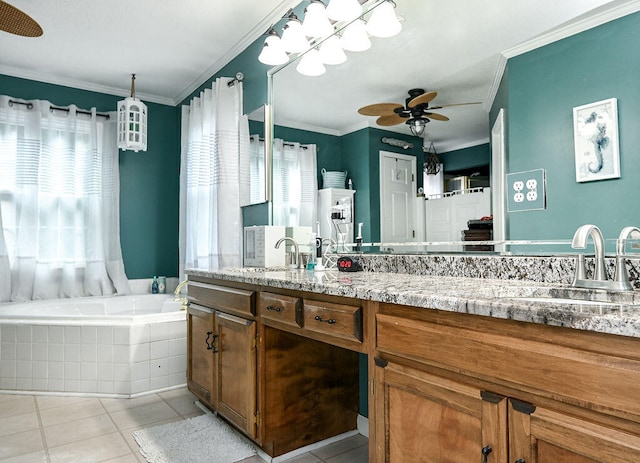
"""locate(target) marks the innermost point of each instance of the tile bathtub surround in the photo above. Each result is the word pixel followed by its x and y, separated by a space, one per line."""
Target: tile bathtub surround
pixel 121 360
pixel 73 429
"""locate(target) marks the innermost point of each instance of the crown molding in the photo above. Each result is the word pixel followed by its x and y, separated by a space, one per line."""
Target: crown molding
pixel 272 18
pixel 574 28
pixel 81 85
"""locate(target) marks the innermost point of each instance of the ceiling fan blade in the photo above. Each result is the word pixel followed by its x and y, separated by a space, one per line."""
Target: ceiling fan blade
pixel 390 120
pixel 455 104
pixel 379 109
pixel 15 21
pixel 421 99
pixel 436 117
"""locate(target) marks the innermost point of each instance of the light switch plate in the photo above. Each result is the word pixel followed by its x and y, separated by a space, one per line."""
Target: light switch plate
pixel 526 191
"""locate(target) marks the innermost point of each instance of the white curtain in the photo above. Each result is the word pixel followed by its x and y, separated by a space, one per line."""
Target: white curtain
pixel 257 169
pixel 59 203
pixel 295 184
pixel 214 178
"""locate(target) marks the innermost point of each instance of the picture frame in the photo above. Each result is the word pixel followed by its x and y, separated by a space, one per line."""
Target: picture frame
pixel 595 133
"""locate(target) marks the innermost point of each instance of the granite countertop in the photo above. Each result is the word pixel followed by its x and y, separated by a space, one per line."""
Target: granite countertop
pixel 535 302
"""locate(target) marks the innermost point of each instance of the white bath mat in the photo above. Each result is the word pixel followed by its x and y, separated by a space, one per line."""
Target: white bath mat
pixel 203 439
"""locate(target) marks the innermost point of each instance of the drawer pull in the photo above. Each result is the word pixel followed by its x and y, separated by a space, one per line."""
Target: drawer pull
pixel 210 346
pixel 275 309
pixel 520 460
pixel 485 453
pixel 331 321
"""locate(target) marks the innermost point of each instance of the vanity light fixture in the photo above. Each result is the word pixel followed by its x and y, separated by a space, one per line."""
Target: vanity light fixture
pixel 383 22
pixel 355 37
pixel 417 125
pixel 293 38
pixel 132 122
pixel 311 64
pixel 273 53
pixel 344 10
pixel 432 163
pixel 316 22
pixel 331 51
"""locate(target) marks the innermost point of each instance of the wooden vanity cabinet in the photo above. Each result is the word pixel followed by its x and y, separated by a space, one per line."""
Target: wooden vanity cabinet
pixel 222 352
pixel 457 388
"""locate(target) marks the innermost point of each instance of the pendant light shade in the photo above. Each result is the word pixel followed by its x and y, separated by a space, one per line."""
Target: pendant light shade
pixel 293 38
pixel 132 122
pixel 384 22
pixel 331 51
pixel 316 23
pixel 310 64
pixel 355 37
pixel 417 125
pixel 273 53
pixel 344 10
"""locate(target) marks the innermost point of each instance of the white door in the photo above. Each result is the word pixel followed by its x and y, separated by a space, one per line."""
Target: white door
pixel 397 192
pixel 498 176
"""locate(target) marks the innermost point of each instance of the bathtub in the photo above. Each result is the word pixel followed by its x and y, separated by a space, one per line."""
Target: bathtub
pixel 120 346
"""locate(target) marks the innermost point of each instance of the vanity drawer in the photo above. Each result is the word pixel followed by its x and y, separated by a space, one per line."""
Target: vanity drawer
pixel 231 300
pixel 343 321
pixel 285 309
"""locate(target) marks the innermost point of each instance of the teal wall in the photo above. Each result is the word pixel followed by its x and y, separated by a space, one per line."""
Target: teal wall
pixel 466 158
pixel 149 184
pixel 543 87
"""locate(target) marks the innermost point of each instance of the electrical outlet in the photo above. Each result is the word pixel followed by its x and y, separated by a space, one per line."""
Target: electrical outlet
pixel 518 197
pixel 518 186
pixel 532 195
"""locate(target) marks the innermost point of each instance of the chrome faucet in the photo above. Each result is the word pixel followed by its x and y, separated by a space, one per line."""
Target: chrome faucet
pixel 621 277
pixel 183 299
pixel 295 247
pixel 580 242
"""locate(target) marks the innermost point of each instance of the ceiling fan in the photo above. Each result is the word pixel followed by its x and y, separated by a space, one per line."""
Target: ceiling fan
pixel 15 21
pixel 416 111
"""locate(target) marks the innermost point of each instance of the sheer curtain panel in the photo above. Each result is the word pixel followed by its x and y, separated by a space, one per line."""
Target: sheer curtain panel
pixel 59 203
pixel 214 177
pixel 295 184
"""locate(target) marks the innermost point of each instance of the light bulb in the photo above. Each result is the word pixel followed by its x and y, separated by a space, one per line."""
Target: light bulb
pixel 331 51
pixel 355 37
pixel 310 64
pixel 344 10
pixel 293 38
pixel 316 23
pixel 384 22
pixel 272 52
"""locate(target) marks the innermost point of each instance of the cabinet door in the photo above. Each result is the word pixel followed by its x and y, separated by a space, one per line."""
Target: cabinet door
pixel 236 374
pixel 538 435
pixel 424 418
pixel 200 353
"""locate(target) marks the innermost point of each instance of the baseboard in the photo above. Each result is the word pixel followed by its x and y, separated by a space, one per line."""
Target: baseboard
pixel 363 425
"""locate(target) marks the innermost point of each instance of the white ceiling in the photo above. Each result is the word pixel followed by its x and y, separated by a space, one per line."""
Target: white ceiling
pixel 454 47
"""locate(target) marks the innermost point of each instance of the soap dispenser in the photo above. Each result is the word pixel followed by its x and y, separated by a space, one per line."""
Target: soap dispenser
pixel 154 285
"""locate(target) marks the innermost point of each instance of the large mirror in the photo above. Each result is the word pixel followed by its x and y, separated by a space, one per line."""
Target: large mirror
pixel 453 48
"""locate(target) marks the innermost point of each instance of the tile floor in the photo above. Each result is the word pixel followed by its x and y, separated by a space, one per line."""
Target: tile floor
pixel 51 429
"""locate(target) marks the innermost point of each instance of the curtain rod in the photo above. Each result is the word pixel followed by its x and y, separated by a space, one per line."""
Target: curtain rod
pixel 286 143
pixel 58 108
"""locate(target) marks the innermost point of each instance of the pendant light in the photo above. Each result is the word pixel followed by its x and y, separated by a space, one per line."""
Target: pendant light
pixel 344 10
pixel 273 53
pixel 432 164
pixel 310 64
pixel 355 37
pixel 417 125
pixel 132 122
pixel 293 38
pixel 316 23
pixel 384 22
pixel 331 51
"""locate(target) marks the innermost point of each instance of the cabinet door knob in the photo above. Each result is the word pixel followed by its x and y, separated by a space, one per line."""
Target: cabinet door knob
pixel 485 453
pixel 331 321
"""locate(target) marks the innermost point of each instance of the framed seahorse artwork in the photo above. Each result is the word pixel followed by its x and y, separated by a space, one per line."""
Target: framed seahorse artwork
pixel 595 132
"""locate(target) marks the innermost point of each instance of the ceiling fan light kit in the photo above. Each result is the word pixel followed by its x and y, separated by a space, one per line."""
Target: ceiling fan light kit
pixel 417 125
pixel 320 28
